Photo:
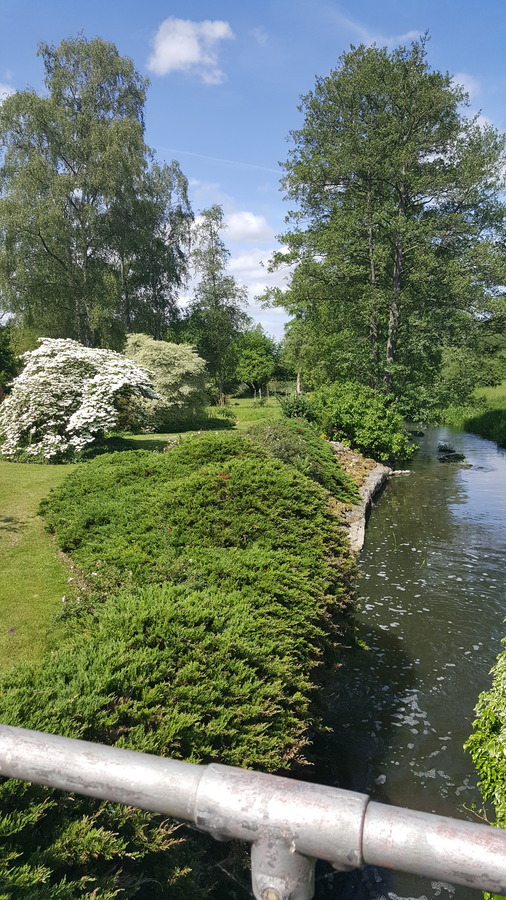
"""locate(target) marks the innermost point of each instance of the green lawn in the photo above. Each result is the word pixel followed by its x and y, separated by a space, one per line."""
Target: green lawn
pixel 495 396
pixel 33 578
pixel 248 411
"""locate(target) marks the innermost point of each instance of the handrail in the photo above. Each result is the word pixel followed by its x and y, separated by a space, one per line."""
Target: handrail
pixel 289 823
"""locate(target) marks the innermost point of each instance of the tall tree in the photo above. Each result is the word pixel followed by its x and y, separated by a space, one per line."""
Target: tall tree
pixel 398 217
pixel 215 315
pixel 92 237
pixel 257 356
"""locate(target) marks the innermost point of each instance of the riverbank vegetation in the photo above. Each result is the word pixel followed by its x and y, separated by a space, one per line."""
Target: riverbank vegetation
pixel 485 414
pixel 212 581
pixel 487 743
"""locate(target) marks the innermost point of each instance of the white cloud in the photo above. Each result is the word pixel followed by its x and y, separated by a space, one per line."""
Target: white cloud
pixel 250 270
pixel 246 226
pixel 364 34
pixel 483 121
pixel 470 85
pixel 186 46
pixel 399 40
pixel 5 91
pixel 260 36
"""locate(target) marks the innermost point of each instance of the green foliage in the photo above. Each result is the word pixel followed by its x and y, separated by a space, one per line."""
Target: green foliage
pixel 300 445
pixel 256 358
pixel 297 406
pixel 9 365
pixel 137 511
pixel 487 743
pixel 180 381
pixel 397 226
pixel 84 214
pixel 490 424
pixel 484 415
pixel 366 419
pixel 215 577
pixel 215 317
pixel 222 412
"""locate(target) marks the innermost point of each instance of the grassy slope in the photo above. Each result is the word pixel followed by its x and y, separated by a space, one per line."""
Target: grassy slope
pixel 487 400
pixel 495 396
pixel 33 578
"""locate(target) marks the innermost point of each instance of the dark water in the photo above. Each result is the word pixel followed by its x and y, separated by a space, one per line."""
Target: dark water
pixel 432 582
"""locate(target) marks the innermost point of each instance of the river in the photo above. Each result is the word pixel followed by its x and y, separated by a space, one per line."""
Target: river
pixel 433 602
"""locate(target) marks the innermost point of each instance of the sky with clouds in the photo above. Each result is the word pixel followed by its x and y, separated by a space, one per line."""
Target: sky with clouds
pixel 226 80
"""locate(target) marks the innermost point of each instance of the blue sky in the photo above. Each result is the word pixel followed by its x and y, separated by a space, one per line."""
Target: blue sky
pixel 226 78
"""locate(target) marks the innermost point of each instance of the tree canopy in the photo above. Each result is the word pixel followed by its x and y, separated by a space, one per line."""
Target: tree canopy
pixel 93 233
pixel 179 378
pixel 215 316
pixel 396 236
pixel 256 358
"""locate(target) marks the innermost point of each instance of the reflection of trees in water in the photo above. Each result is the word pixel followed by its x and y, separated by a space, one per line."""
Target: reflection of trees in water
pixel 427 525
pixel 361 715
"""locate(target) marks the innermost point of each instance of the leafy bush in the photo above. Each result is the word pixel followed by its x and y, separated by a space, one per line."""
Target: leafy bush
pixel 298 406
pixel 487 744
pixel 362 417
pixel 180 381
pixel 299 444
pixel 66 396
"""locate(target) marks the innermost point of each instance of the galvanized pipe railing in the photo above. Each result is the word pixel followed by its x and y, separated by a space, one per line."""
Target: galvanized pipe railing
pixel 289 823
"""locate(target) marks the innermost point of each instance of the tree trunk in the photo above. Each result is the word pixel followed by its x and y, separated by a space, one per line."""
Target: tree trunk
pixel 373 319
pixel 393 320
pixel 126 296
pixel 298 389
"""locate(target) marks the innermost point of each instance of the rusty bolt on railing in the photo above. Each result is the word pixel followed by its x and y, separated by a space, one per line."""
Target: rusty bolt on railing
pixel 288 823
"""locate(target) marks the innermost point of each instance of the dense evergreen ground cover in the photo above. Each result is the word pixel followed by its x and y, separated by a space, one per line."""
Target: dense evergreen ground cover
pixel 213 579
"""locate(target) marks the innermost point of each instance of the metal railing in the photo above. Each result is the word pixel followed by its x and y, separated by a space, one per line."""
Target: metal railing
pixel 288 823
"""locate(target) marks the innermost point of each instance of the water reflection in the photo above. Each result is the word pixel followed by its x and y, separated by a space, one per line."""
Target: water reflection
pixel 433 603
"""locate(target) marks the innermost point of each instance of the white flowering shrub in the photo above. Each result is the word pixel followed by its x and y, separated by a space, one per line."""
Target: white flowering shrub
pixel 65 398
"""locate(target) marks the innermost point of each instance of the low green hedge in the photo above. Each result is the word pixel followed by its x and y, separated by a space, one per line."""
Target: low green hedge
pixel 214 581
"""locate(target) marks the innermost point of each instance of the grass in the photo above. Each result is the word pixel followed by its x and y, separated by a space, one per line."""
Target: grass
pixel 34 578
pixel 247 411
pixel 494 396
pixel 485 414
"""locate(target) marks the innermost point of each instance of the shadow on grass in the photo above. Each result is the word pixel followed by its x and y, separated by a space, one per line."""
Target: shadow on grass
pixel 155 443
pixel 490 425
pixel 11 524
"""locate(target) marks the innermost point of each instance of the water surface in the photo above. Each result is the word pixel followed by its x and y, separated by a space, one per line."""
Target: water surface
pixel 433 602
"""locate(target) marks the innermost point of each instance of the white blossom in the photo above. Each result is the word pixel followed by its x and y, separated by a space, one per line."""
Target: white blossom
pixel 65 398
